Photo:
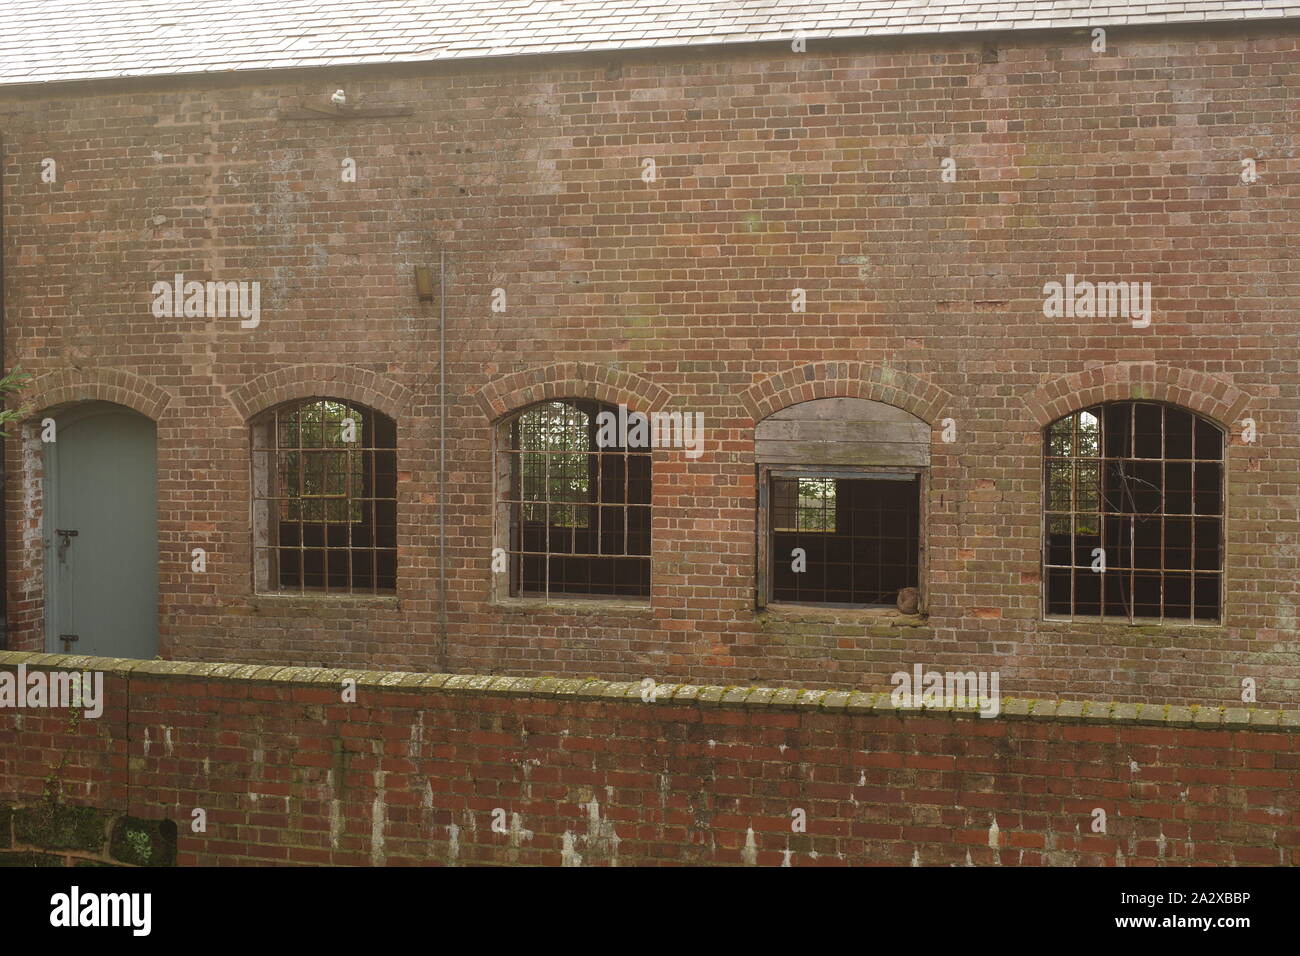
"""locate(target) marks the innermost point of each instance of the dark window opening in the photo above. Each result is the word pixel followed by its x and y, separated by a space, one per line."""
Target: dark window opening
pixel 1138 485
pixel 860 537
pixel 325 499
pixel 579 514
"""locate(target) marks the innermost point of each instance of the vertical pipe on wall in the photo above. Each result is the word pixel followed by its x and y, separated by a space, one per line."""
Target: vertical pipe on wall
pixel 442 459
pixel 4 368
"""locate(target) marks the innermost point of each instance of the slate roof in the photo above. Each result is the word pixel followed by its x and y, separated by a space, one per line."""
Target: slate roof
pixel 55 40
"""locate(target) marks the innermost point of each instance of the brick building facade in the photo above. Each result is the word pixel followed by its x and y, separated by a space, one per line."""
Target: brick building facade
pixel 773 171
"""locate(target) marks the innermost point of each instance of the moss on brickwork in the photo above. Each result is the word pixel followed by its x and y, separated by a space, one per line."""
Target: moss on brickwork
pixel 30 859
pixel 144 842
pixel 53 827
pixel 6 823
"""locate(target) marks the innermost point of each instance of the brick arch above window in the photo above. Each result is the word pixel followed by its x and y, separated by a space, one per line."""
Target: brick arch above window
pixel 347 382
pixel 1134 381
pixel 515 391
pixel 877 383
pixel 66 386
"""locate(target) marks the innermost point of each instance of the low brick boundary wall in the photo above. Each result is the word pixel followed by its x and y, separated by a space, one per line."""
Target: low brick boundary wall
pixel 441 769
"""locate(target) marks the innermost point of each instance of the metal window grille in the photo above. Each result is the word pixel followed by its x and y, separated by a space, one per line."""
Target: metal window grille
pixel 803 504
pixel 860 537
pixel 1140 486
pixel 578 508
pixel 325 499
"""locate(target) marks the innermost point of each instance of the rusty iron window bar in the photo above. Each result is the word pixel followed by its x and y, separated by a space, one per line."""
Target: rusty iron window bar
pixel 1141 485
pixel 860 531
pixel 325 499
pixel 579 514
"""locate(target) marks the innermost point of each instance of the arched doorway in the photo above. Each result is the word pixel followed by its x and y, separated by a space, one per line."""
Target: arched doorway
pixel 101 533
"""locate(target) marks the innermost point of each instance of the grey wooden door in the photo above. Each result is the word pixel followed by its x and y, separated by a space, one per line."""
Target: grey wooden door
pixel 102 582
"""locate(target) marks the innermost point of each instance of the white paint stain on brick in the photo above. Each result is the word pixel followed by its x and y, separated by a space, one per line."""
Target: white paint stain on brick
pixel 994 834
pixel 417 736
pixel 453 844
pixel 147 741
pixel 602 839
pixel 526 768
pixel 517 832
pixel 167 740
pixel 377 822
pixel 33 466
pixel 749 855
pixel 569 856
pixel 336 822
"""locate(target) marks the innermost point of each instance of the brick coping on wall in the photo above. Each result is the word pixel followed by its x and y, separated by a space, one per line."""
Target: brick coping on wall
pixel 776 698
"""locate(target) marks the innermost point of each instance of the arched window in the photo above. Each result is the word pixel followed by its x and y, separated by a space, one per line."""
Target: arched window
pixel 574 503
pixel 325 498
pixel 841 487
pixel 1133 514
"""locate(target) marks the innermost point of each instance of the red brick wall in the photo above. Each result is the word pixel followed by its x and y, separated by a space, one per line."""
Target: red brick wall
pixel 412 774
pixel 776 170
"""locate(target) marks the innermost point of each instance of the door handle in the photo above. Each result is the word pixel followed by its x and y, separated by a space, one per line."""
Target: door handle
pixel 66 536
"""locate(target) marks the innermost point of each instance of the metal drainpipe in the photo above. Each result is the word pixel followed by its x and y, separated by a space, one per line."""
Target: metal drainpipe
pixel 4 368
pixel 442 458
pixel 4 498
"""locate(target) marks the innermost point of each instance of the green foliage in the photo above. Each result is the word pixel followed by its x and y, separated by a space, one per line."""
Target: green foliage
pixel 554 441
pixel 321 473
pixel 804 504
pixel 12 384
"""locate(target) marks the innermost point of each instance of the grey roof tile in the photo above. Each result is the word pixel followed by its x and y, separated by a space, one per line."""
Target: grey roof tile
pixel 90 39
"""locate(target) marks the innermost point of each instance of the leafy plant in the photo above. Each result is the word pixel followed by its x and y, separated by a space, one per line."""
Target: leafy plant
pixel 12 384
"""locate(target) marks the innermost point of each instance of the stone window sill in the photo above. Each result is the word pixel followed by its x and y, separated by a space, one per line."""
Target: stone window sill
pixel 590 606
pixel 272 601
pixel 879 616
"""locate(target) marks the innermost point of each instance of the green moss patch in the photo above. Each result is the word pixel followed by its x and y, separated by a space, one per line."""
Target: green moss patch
pixel 144 842
pixel 52 827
